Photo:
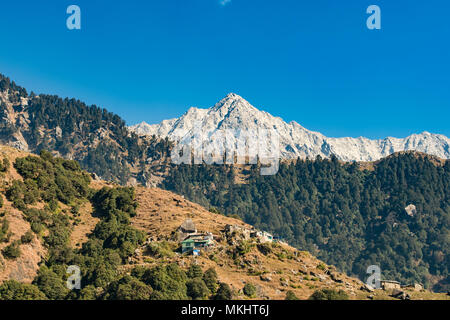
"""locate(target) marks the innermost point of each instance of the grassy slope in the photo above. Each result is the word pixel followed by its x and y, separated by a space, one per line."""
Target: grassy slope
pixel 159 215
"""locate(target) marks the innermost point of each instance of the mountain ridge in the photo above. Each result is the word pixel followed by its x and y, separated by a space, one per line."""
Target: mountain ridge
pixel 234 112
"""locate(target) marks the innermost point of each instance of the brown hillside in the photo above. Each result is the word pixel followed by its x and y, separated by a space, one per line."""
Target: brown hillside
pixel 272 268
pixel 160 213
pixel 25 267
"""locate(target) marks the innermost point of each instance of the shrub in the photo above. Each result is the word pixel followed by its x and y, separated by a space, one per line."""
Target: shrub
pixel 129 288
pixel 321 266
pixel 264 248
pixel 194 271
pixel 197 289
pixel 290 295
pixel 211 280
pixel 224 292
pixel 14 290
pixel 139 272
pixel 87 293
pixel 241 249
pixel 329 294
pixel 165 287
pixel 175 273
pixel 15 192
pixel 37 227
pixel 249 290
pixel 215 210
pixel 4 165
pixel 12 251
pixel 4 234
pixel 27 237
pixel 160 250
pixel 235 216
pixel 51 284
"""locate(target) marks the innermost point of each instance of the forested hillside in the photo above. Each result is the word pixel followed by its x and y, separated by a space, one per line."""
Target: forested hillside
pixel 98 139
pixel 349 217
pixel 49 193
pixel 125 245
pixel 345 215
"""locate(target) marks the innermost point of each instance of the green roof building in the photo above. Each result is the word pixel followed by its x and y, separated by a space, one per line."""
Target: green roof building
pixel 195 242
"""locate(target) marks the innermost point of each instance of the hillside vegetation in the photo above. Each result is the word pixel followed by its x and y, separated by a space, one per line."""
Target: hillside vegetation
pixel 347 214
pixel 349 217
pixel 130 250
pixel 98 139
pixel 128 253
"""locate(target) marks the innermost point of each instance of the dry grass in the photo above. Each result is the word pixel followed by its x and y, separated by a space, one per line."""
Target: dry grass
pixel 25 267
pixel 159 214
pixel 84 227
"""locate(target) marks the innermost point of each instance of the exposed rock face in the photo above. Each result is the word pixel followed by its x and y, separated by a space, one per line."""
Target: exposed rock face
pixel 233 112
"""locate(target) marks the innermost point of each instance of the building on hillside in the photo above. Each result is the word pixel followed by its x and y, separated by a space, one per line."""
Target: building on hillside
pixel 194 242
pixel 414 286
pixel 262 236
pixel 244 233
pixel 235 229
pixel 389 284
pixel 186 229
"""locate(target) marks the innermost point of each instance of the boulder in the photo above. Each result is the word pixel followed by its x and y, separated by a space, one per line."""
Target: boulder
pixel 334 277
pixel 95 177
pixel 265 278
pixel 399 294
pixel 367 288
pixel 284 283
pixel 321 277
pixel 303 271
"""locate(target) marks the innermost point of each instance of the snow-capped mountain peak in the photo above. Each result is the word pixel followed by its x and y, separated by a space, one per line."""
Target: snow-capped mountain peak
pixel 234 112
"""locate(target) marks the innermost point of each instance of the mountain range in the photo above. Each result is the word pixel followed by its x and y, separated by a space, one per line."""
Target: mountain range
pixel 234 112
pixel 350 215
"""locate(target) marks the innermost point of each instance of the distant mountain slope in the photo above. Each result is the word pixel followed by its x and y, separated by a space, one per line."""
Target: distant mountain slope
pixel 234 112
pixel 96 138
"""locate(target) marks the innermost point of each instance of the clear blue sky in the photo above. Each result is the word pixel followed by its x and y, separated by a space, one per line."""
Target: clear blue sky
pixel 313 61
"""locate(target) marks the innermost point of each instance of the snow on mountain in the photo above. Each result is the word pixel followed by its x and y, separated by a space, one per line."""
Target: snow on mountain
pixel 234 112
